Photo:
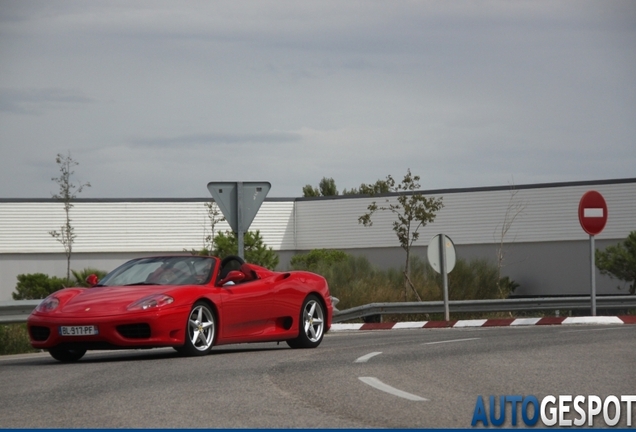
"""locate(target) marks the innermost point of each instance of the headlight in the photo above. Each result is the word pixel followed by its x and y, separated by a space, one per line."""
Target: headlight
pixel 153 301
pixel 49 304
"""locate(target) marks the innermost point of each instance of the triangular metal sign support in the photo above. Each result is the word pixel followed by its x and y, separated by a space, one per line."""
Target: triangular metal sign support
pixel 239 202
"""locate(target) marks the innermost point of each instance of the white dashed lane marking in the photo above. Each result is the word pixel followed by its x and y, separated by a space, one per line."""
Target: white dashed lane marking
pixel 377 384
pixel 365 358
pixel 449 341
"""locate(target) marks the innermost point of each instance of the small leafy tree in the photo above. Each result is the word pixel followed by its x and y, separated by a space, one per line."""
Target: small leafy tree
pixel 214 217
pixel 326 187
pixel 619 261
pixel 514 209
pixel 413 211
pixel 256 251
pixel 67 193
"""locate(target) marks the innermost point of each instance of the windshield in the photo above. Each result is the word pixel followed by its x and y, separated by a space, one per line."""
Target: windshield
pixel 186 270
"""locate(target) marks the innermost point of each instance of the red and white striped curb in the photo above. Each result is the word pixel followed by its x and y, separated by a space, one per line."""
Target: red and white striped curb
pixel 497 322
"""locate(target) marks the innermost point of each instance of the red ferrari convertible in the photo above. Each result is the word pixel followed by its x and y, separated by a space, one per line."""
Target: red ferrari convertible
pixel 190 303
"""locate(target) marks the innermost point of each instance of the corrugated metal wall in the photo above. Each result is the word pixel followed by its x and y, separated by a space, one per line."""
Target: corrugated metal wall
pixel 133 226
pixel 468 217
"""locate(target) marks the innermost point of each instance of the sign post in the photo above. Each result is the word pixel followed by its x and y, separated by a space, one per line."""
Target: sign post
pixel 239 202
pixel 442 257
pixel 593 217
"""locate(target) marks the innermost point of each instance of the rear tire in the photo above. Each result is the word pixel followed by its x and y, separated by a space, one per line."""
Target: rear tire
pixel 66 355
pixel 200 331
pixel 312 324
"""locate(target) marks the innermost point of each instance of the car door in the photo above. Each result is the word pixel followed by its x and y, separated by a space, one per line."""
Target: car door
pixel 247 310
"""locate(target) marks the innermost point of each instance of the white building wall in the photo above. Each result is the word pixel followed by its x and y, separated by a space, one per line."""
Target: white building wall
pixel 134 226
pixel 468 217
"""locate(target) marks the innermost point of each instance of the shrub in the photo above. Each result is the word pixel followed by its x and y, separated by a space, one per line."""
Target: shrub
pixel 317 258
pixel 355 281
pixel 80 276
pixel 256 251
pixel 473 280
pixel 619 261
pixel 34 286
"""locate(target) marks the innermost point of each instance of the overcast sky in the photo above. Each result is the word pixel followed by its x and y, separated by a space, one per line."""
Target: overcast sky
pixel 156 99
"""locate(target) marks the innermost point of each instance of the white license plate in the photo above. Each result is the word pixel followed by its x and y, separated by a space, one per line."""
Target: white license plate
pixel 78 330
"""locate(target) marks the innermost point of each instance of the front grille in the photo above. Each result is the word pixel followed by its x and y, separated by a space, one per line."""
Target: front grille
pixel 134 331
pixel 39 333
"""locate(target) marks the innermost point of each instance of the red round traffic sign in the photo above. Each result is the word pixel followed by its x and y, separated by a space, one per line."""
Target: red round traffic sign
pixel 592 212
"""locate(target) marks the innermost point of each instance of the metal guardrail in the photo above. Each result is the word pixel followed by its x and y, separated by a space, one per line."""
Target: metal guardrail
pixel 17 311
pixel 478 306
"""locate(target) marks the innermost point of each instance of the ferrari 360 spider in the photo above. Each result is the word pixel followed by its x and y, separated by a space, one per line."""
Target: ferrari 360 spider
pixel 190 303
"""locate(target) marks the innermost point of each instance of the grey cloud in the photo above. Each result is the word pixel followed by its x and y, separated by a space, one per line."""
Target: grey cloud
pixel 219 138
pixel 36 101
pixel 464 94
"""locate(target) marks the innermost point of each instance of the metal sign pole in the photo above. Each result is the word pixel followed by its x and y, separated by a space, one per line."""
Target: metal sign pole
pixel 239 211
pixel 593 275
pixel 442 255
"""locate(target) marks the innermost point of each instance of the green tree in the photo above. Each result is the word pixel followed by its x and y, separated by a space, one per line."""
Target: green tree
pixel 379 187
pixel 256 251
pixel 619 261
pixel 413 210
pixel 67 193
pixel 309 191
pixel 326 187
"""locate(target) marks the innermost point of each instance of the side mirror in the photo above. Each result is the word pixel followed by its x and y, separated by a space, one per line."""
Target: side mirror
pixel 92 280
pixel 234 276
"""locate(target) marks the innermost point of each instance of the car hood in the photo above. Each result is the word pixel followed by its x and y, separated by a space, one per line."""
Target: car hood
pixel 109 300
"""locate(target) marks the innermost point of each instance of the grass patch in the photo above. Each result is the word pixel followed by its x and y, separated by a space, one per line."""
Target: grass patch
pixel 14 339
pixel 355 281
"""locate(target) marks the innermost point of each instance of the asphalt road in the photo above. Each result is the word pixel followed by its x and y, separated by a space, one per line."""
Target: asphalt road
pixel 428 378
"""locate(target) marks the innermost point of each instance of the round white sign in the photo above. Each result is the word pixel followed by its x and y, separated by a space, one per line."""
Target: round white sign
pixel 434 250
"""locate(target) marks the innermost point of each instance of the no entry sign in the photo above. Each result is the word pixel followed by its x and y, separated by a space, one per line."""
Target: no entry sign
pixel 592 212
pixel 593 217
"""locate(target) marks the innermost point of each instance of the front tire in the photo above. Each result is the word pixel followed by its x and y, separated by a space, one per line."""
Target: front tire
pixel 312 324
pixel 66 355
pixel 200 332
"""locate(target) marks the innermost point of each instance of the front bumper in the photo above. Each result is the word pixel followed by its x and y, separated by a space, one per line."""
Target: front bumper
pixel 134 330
